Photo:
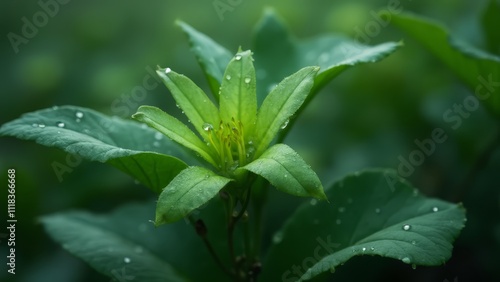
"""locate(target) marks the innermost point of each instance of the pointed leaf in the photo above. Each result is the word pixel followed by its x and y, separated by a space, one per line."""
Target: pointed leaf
pixel 191 99
pixel 278 53
pixel 371 213
pixel 174 129
pixel 212 57
pixel 238 99
pixel 478 69
pixel 280 105
pixel 288 172
pixel 107 250
pixel 124 144
pixel 191 189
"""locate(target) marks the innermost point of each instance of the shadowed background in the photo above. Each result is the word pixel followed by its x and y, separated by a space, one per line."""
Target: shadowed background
pixel 97 54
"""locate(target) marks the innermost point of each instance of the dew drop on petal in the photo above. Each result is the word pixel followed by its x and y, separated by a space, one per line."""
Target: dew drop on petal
pixel 406 227
pixel 167 70
pixel 237 57
pixel 285 124
pixel 41 125
pixel 435 209
pixel 79 115
pixel 228 77
pixel 406 260
pixel 158 136
pixel 126 260
pixel 60 124
pixel 35 125
pixel 247 80
pixel 207 127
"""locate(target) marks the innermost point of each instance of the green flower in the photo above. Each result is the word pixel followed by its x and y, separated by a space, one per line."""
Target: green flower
pixel 233 139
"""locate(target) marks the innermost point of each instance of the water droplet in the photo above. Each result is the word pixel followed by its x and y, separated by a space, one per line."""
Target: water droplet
pixel 237 57
pixel 406 227
pixel 364 249
pixel 277 238
pixel 341 209
pixel 338 221
pixel 414 266
pixel 377 210
pixel 79 115
pixel 41 125
pixel 228 77
pixel 286 175
pixel 55 107
pixel 158 136
pixel 247 80
pixel 207 127
pixel 285 124
pixel 60 124
pixel 156 144
pixel 313 202
pixel 413 242
pixel 144 126
pixel 372 249
pixel 35 125
pixel 406 260
pixel 435 209
pixel 167 70
pixel 126 260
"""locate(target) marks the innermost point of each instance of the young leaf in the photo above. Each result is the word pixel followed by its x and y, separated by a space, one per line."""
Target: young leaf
pixel 191 99
pixel 372 213
pixel 288 172
pixel 174 129
pixel 478 69
pixel 212 57
pixel 238 99
pixel 280 105
pixel 192 188
pixel 107 250
pixel 122 143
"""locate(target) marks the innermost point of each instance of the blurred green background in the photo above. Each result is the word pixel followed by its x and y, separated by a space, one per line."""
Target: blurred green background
pixel 95 53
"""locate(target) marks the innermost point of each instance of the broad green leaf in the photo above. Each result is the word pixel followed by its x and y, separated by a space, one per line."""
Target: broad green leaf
pixel 107 250
pixel 478 69
pixel 490 22
pixel 288 172
pixel 124 144
pixel 177 244
pixel 278 107
pixel 371 213
pixel 191 99
pixel 278 53
pixel 212 57
pixel 191 189
pixel 174 129
pixel 238 99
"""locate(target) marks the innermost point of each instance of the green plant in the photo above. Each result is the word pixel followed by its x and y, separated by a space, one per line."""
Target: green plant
pixel 238 154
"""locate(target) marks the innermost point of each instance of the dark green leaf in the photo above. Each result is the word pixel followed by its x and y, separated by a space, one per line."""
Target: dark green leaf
pixel 212 57
pixel 288 172
pixel 174 129
pixel 478 69
pixel 238 99
pixel 283 101
pixel 191 99
pixel 191 189
pixel 122 143
pixel 371 213
pixel 107 250
pixel 278 53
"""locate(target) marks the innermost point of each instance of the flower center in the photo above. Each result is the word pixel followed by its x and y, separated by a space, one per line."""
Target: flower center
pixel 228 141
